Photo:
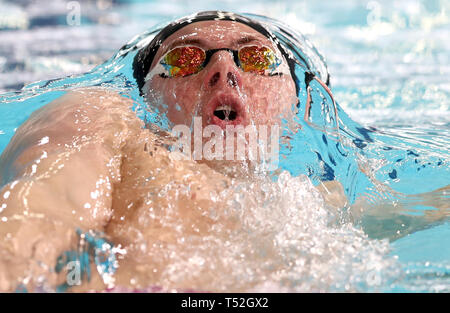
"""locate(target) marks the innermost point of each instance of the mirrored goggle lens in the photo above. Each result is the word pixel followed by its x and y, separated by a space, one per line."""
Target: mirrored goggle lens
pixel 188 60
pixel 257 59
pixel 184 61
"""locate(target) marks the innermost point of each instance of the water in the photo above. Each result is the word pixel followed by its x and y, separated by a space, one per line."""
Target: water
pixel 389 73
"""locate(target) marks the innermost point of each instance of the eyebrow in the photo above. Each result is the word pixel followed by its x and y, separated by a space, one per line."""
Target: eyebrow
pixel 195 41
pixel 201 42
pixel 246 39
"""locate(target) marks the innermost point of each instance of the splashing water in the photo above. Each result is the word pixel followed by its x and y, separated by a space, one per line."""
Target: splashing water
pixel 282 238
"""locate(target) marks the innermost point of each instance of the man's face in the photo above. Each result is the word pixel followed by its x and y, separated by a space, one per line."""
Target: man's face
pixel 253 98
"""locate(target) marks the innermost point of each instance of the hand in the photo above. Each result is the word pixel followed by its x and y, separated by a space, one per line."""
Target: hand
pixel 28 253
pixel 21 275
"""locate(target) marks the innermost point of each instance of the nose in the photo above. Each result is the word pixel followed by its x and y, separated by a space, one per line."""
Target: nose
pixel 222 72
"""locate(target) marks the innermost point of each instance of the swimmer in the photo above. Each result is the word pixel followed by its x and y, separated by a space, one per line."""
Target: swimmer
pixel 79 162
pixel 85 161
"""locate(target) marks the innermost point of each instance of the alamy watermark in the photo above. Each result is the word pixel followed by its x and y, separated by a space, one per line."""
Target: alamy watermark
pixel 374 16
pixel 73 17
pixel 73 277
pixel 235 143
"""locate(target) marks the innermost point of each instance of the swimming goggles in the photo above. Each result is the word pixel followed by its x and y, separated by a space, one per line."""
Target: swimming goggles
pixel 187 60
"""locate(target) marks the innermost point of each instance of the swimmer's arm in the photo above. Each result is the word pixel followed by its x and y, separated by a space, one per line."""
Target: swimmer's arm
pixel 383 219
pixel 60 166
pixel 400 216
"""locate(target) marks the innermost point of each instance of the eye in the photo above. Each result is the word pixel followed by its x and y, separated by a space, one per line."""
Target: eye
pixel 259 60
pixel 183 61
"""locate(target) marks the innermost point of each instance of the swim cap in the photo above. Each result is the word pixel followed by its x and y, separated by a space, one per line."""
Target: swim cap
pixel 145 56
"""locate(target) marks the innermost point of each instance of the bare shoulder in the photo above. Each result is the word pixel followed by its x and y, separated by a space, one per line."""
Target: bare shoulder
pixel 76 105
pixel 76 117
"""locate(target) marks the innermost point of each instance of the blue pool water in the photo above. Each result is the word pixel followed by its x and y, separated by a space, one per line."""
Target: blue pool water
pixel 389 66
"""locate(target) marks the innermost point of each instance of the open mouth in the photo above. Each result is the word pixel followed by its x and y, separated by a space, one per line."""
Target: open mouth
pixel 225 113
pixel 226 109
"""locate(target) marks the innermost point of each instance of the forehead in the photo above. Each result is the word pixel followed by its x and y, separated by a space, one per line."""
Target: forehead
pixel 214 34
pixel 217 30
